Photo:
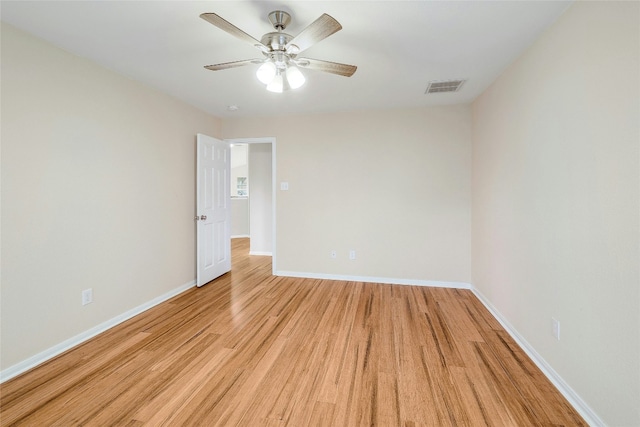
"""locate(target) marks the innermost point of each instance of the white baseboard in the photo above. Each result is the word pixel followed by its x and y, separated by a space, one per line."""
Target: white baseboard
pixel 260 253
pixel 51 352
pixel 367 279
pixel 240 236
pixel 574 399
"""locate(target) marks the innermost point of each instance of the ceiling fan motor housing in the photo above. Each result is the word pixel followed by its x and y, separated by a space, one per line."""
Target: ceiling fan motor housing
pixel 279 19
pixel 276 41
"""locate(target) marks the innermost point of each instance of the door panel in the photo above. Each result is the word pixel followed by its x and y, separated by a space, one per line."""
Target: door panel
pixel 213 209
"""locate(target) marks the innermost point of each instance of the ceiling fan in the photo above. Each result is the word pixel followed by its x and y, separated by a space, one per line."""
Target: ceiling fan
pixel 279 66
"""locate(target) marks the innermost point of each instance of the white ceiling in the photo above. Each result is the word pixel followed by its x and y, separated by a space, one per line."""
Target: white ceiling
pixel 398 46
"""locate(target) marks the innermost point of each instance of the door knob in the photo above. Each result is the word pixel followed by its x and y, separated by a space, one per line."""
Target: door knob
pixel 203 217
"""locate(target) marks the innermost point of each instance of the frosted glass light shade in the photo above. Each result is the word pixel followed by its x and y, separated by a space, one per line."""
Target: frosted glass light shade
pixel 266 72
pixel 295 77
pixel 276 84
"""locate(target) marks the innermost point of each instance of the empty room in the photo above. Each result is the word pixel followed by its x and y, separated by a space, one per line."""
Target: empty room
pixel 435 221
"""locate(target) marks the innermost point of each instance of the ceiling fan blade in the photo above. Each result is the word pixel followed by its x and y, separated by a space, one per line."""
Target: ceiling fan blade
pixel 234 64
pixel 327 66
pixel 227 26
pixel 318 30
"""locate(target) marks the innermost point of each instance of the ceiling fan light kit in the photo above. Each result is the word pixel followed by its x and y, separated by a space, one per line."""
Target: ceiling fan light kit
pixel 266 72
pixel 276 84
pixel 279 68
pixel 295 77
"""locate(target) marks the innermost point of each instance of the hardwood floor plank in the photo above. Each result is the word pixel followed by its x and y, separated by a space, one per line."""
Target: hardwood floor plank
pixel 236 411
pixel 286 378
pixel 252 349
pixel 321 414
pixel 49 394
pixel 481 411
pixel 173 399
pixel 343 334
pixel 389 400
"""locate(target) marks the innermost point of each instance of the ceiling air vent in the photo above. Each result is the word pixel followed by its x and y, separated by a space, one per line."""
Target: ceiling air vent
pixel 438 86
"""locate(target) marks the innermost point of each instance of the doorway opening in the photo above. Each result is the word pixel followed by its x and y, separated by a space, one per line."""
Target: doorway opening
pixel 253 194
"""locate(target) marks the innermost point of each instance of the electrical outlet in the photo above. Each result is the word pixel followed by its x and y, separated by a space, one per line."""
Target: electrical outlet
pixel 87 296
pixel 555 324
pixel 333 254
pixel 352 254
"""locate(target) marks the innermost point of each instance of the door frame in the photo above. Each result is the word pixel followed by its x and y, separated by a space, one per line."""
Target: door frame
pixel 265 140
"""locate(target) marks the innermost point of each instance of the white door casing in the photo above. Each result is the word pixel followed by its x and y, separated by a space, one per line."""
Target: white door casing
pixel 213 209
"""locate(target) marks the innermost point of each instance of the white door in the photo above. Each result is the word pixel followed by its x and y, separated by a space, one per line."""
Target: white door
pixel 213 209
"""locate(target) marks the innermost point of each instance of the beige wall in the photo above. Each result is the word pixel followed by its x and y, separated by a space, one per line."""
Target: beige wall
pixel 392 185
pixel 260 199
pixel 240 217
pixel 556 202
pixel 97 192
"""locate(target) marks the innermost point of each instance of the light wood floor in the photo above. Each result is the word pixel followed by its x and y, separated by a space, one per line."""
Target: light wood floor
pixel 251 349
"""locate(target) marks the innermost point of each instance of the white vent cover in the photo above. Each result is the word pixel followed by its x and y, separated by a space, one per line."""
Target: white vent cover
pixel 438 86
